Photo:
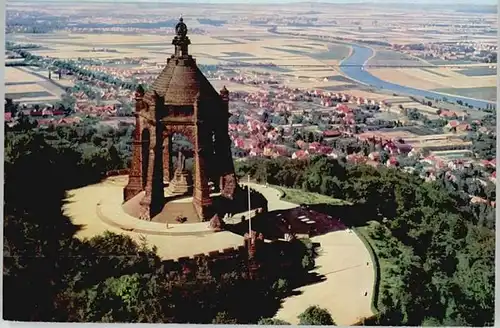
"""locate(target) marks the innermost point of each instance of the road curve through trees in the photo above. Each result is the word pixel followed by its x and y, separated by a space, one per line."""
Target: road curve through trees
pixel 343 260
pixel 345 263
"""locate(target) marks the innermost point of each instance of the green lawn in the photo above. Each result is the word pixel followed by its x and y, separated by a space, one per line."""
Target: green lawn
pixel 380 265
pixel 298 196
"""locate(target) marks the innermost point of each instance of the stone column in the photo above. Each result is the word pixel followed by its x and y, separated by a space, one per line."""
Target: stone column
pixel 228 181
pixel 135 183
pixel 146 200
pixel 167 164
pixel 201 191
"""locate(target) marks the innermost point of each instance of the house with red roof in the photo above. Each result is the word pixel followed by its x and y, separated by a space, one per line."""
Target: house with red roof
pixel 301 144
pixel 314 146
pixel 69 120
pixel 374 156
pixel 463 127
pixel 331 133
pixel 448 114
pixel 324 150
pixel 255 152
pixel 392 162
pixel 300 154
pixel 488 164
pixel 356 158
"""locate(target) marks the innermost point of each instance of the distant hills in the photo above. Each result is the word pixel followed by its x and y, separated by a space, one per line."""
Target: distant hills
pixel 476 6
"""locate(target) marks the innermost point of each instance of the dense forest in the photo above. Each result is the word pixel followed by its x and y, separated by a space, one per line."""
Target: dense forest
pixel 50 275
pixel 437 247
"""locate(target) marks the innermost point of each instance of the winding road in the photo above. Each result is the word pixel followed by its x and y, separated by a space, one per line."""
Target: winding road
pixel 345 263
pixel 354 68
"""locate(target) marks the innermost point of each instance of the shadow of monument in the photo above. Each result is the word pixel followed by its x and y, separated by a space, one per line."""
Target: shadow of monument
pixel 233 292
pixel 350 215
pixel 239 204
pixel 325 218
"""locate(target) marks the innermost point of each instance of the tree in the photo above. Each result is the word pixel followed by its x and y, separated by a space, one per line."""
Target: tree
pixel 315 316
pixel 223 318
pixel 272 322
pixel 280 287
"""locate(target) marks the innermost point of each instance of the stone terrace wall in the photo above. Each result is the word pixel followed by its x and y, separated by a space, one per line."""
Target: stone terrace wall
pixel 114 173
pixel 226 254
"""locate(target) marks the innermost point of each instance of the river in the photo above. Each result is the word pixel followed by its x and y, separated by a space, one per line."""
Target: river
pixel 352 67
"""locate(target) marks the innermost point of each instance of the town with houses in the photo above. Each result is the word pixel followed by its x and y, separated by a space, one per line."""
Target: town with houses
pixel 275 120
pixel 333 162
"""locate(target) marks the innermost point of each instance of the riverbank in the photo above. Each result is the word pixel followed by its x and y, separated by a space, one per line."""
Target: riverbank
pixel 353 68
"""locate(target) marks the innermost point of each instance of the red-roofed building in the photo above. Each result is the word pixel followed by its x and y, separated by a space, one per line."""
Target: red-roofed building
pixel 486 163
pixel 300 154
pixel 314 146
pixel 392 162
pixel 448 114
pixel 356 158
pixel 342 108
pixel 374 156
pixel 331 133
pixel 325 150
pixel 463 127
pixel 69 120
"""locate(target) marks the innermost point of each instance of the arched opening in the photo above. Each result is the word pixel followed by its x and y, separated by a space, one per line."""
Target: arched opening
pixel 178 206
pixel 146 141
pixel 182 145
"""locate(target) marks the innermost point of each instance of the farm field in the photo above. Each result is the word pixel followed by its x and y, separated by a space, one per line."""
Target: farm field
pixel 214 49
pixel 306 56
pixel 488 93
pixel 26 85
pixel 418 78
pixel 393 58
pixel 478 71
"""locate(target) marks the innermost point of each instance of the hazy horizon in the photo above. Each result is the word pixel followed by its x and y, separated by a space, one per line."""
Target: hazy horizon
pixel 416 2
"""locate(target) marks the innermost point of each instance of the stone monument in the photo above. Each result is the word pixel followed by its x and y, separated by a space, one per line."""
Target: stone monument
pixel 182 181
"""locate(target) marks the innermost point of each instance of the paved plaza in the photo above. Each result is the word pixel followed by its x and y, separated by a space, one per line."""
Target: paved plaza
pixel 82 209
pixel 343 258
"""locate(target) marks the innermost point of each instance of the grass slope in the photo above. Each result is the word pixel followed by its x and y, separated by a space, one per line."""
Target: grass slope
pixel 298 196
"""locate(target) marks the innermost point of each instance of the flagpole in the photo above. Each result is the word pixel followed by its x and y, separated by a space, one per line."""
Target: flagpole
pixel 249 217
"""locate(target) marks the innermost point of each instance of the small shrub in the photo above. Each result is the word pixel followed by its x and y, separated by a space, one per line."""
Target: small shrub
pixel 316 316
pixel 273 322
pixel 223 318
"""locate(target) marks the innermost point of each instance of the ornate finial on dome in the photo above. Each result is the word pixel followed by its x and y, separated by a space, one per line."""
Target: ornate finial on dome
pixel 181 41
pixel 181 28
